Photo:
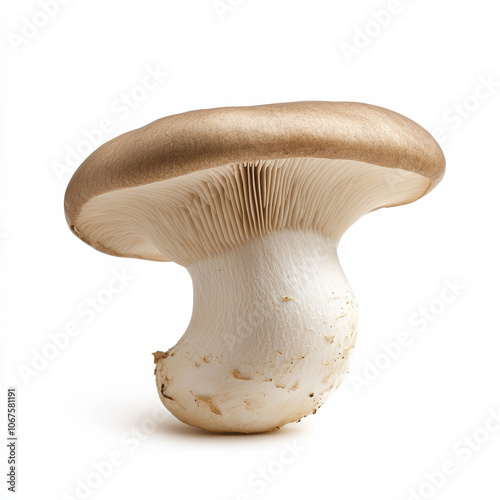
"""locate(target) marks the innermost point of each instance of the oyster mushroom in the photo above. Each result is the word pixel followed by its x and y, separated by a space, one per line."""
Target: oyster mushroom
pixel 253 201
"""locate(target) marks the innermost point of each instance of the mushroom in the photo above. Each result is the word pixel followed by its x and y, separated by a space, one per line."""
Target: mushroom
pixel 253 201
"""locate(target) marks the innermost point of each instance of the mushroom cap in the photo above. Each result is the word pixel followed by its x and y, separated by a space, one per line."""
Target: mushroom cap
pixel 182 145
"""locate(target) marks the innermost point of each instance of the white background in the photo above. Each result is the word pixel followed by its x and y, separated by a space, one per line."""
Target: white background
pixel 393 423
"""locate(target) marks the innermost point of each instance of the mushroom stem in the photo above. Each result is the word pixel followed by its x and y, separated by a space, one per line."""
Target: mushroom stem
pixel 274 321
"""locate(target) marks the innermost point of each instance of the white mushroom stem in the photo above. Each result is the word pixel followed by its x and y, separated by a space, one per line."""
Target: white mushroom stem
pixel 274 321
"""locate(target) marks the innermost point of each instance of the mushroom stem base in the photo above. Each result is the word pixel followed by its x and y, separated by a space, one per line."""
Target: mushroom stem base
pixel 274 321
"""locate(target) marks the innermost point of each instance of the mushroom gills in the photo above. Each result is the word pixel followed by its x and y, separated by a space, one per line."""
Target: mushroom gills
pixel 188 218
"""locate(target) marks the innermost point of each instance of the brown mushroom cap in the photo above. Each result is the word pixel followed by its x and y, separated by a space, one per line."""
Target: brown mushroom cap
pixel 191 142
